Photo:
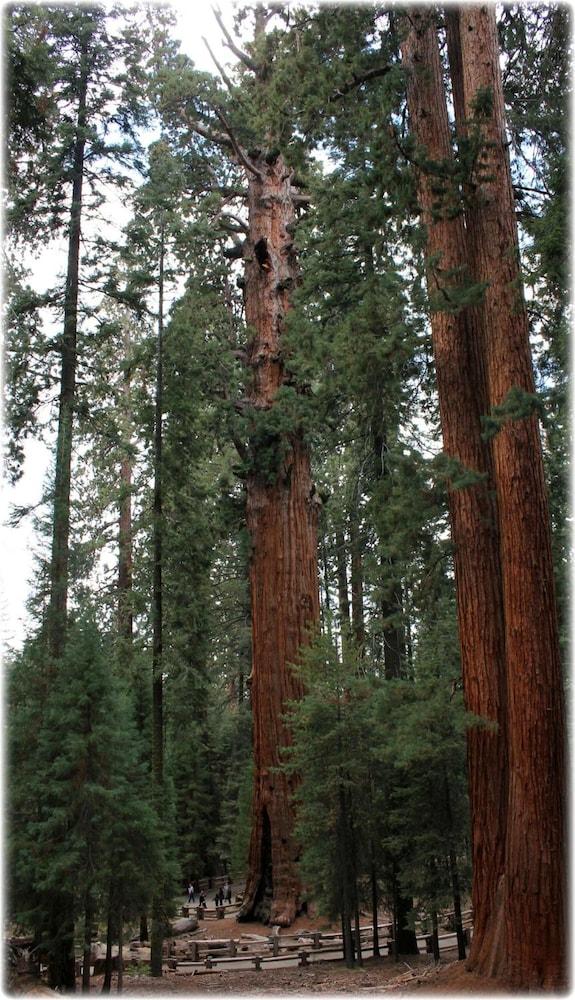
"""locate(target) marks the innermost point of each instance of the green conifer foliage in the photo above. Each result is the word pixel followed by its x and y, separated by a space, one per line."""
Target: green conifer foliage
pixel 331 737
pixel 82 826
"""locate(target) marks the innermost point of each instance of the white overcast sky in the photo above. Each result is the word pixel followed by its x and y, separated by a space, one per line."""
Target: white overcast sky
pixel 195 19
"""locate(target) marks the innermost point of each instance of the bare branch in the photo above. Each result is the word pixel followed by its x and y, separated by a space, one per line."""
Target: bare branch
pixel 220 69
pixel 242 56
pixel 218 137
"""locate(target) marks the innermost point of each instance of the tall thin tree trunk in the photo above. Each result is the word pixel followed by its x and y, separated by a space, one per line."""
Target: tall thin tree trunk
pixel 281 517
pixel 87 950
pixel 107 983
pixel 435 936
pixel 61 963
pixel 157 932
pixel 354 874
pixel 454 871
pixel 326 581
pixel 125 595
pixel 121 951
pixel 457 341
pixel 355 544
pixel 456 892
pixel 59 565
pixel 346 894
pixel 125 560
pixel 393 632
pixel 358 954
pixel 342 589
pixel 374 904
pixel 535 846
pixel 406 937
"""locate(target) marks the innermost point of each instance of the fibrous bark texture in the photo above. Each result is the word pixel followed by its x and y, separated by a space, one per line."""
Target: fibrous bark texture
pixel 281 518
pixel 507 618
pixel 457 344
pixel 534 857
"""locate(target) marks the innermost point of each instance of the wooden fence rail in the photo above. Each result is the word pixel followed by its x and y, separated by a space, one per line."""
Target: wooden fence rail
pixel 303 946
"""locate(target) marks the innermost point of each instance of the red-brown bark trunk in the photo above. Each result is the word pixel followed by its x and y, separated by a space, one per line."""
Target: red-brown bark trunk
pixel 534 860
pixel 281 519
pixel 462 399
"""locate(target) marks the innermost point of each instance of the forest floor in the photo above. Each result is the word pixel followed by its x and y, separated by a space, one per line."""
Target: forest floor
pixel 377 976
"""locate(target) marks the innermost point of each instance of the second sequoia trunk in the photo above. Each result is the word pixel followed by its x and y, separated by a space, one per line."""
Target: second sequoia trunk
pixel 535 865
pixel 281 519
pixel 457 341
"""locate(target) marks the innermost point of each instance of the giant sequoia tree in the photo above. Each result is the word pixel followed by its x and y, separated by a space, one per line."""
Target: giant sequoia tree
pixel 281 518
pixel 517 799
pixel 462 399
pixel 280 510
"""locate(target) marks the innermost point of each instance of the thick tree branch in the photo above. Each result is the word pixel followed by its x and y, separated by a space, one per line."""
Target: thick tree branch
pixel 217 137
pixel 358 80
pixel 234 253
pixel 240 153
pixel 219 68
pixel 236 226
pixel 242 56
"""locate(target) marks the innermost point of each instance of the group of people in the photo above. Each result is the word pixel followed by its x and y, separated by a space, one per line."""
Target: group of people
pixel 223 894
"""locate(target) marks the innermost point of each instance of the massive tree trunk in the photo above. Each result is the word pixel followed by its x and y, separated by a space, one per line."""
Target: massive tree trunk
pixel 457 344
pixel 534 857
pixel 281 518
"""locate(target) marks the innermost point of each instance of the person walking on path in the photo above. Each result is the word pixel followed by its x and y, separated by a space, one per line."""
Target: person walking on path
pixel 191 896
pixel 227 892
